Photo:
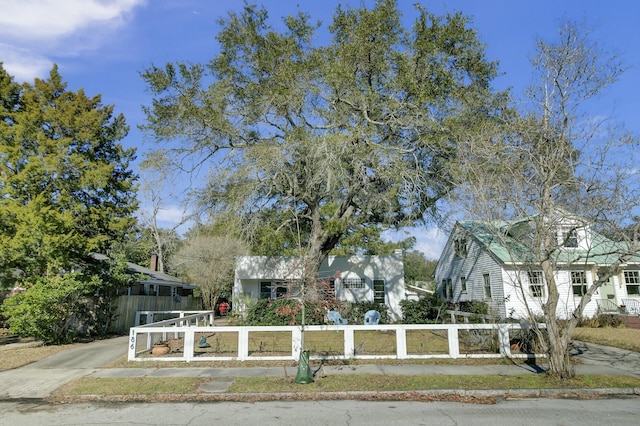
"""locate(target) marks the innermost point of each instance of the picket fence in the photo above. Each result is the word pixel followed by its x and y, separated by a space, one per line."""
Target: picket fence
pixel 186 328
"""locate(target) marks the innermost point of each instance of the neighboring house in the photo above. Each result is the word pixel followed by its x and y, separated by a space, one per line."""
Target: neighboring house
pixel 353 278
pixel 480 263
pixel 153 282
pixel 154 291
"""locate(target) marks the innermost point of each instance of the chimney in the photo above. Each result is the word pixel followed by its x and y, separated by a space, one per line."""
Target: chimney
pixel 154 262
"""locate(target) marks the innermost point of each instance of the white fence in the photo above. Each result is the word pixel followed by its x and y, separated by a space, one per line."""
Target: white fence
pixel 149 316
pixel 187 336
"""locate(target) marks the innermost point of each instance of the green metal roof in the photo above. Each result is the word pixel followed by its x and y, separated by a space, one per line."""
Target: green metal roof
pixel 496 238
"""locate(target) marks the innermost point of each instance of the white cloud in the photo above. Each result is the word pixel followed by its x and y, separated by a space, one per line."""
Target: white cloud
pixel 41 19
pixel 23 64
pixel 171 215
pixel 430 241
pixel 32 32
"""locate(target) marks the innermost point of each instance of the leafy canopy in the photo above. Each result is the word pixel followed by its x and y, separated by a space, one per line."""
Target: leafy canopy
pixel 330 139
pixel 65 184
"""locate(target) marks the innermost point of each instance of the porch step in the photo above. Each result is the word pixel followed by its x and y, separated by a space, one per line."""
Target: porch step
pixel 631 321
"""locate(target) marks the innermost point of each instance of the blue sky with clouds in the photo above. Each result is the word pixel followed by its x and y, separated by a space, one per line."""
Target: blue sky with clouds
pixel 103 45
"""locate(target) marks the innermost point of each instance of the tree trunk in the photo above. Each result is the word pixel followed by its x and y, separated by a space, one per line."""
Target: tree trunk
pixel 558 350
pixel 557 344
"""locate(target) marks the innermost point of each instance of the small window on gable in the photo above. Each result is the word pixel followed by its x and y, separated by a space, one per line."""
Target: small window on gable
pixel 460 247
pixel 463 284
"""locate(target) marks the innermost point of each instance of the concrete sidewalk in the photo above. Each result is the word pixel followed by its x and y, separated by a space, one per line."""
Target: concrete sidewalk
pixel 40 379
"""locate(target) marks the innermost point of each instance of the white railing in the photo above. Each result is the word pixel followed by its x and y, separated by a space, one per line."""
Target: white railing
pixel 150 315
pixel 142 339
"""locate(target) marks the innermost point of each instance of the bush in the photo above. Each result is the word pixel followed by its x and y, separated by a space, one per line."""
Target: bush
pixel 475 307
pixel 355 312
pixel 425 310
pixel 600 321
pixel 48 310
pixel 286 311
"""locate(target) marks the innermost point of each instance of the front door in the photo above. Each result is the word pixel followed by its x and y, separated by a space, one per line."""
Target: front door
pixel 607 290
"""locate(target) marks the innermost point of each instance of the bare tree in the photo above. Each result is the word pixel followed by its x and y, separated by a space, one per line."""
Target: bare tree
pixel 209 262
pixel 154 192
pixel 546 185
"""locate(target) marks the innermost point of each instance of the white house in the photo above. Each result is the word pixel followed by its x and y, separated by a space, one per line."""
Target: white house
pixel 488 262
pixel 353 278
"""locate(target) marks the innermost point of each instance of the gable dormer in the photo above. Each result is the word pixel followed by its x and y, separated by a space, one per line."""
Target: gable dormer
pixel 573 234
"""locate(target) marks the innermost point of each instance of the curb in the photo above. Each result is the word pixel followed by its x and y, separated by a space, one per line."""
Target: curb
pixel 469 396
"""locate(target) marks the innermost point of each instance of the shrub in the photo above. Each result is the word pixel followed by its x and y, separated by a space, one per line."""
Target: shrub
pixel 600 321
pixel 422 311
pixel 48 310
pixel 475 307
pixel 355 312
pixel 286 311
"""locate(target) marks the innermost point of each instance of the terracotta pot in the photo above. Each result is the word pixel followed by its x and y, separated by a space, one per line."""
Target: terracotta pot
pixel 160 350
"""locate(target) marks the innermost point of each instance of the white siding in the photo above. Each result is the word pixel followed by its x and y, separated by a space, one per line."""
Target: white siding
pixel 250 270
pixel 473 266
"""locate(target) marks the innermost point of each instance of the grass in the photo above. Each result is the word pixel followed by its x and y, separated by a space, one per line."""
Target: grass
pixel 381 383
pixel 20 356
pixel 131 386
pixel 623 338
pixel 155 386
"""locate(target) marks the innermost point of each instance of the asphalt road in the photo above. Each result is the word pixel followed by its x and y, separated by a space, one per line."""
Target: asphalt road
pixel 529 412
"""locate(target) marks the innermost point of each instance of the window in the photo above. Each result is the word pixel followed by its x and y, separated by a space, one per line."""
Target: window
pixel 273 290
pixel 570 238
pixel 579 283
pixel 446 288
pixel 378 290
pixel 536 284
pixel 460 247
pixel 327 288
pixel 353 283
pixel 265 290
pixel 632 281
pixel 486 287
pixel 463 284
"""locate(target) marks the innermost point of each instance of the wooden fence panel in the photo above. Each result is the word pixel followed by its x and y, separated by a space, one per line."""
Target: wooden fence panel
pixel 127 306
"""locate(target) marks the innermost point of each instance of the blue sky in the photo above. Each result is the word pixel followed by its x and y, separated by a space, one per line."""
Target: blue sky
pixel 103 45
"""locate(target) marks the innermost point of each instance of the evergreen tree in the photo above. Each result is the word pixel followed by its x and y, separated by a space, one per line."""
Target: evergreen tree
pixel 66 191
pixel 65 185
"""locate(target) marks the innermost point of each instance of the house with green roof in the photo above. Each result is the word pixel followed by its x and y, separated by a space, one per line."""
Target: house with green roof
pixel 496 262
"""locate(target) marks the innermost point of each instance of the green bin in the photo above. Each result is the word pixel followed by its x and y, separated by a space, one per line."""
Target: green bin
pixel 304 375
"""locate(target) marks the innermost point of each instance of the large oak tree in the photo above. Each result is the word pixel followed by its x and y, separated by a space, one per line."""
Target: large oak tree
pixel 334 137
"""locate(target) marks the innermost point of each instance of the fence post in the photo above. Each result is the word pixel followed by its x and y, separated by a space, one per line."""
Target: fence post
pixel 296 342
pixel 401 343
pixel 132 345
pixel 349 345
pixel 243 343
pixel 454 344
pixel 503 340
pixel 189 342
